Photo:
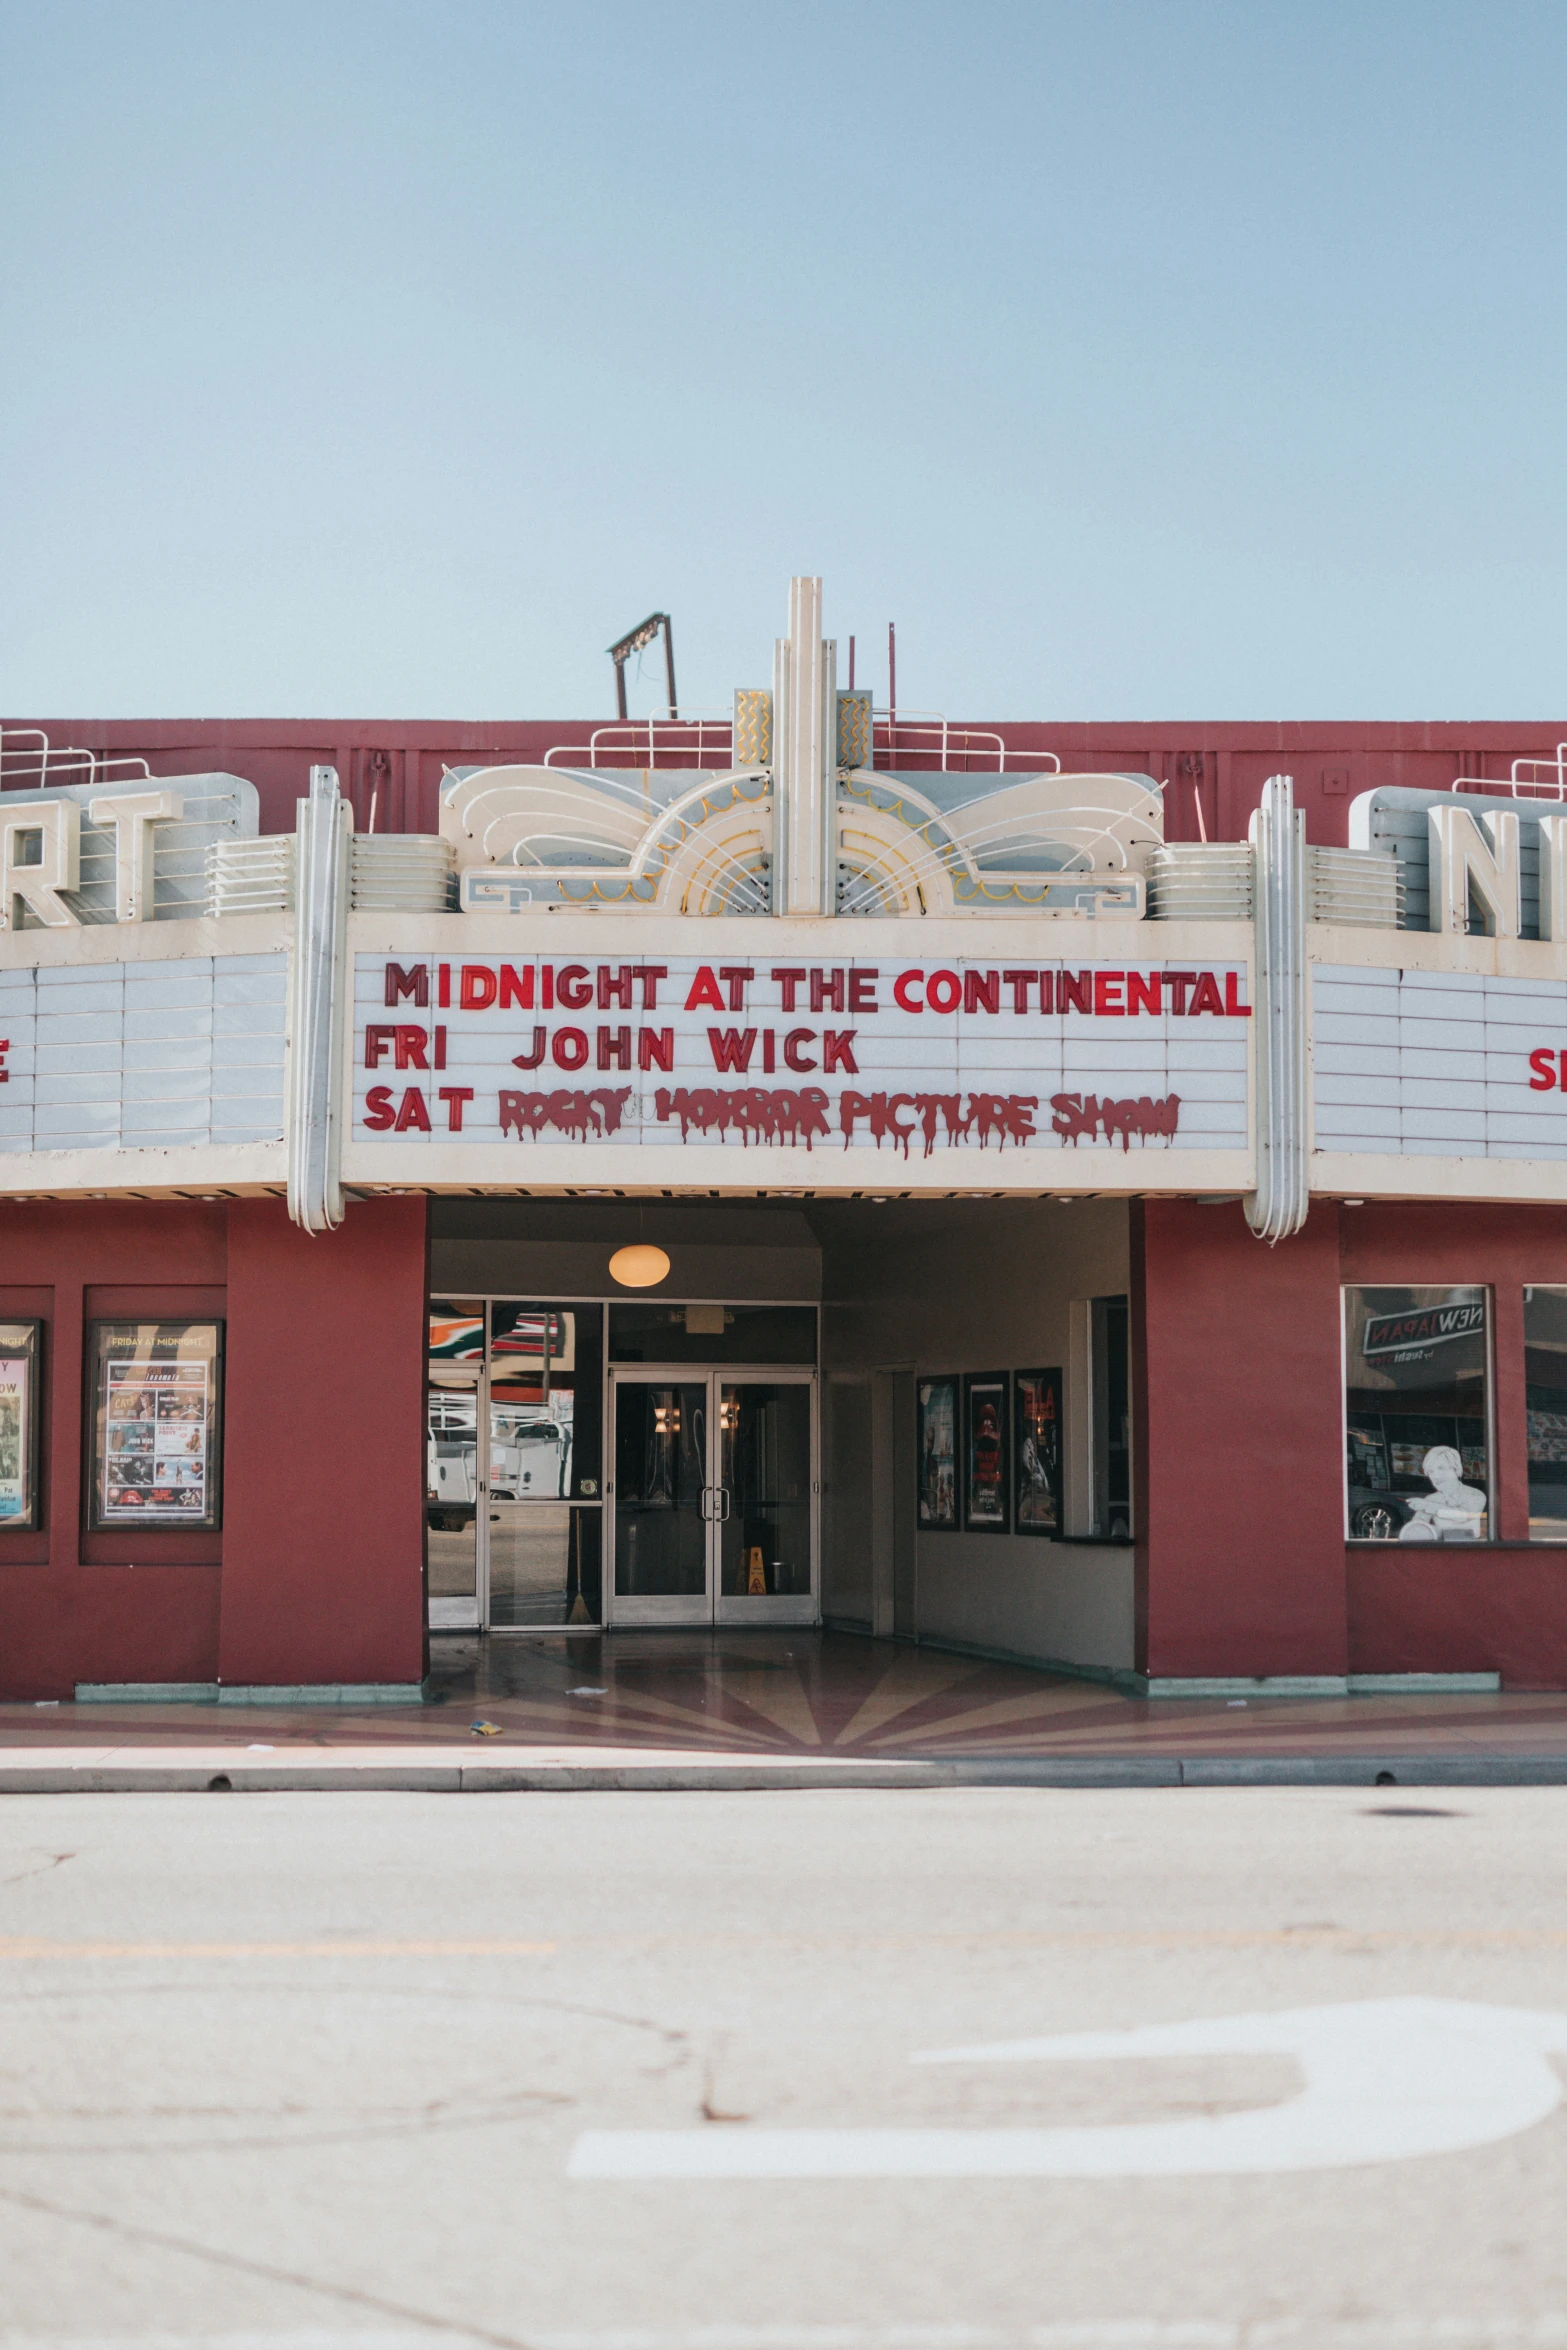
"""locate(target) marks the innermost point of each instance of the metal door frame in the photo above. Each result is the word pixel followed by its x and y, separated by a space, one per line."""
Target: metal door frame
pixel 712 1609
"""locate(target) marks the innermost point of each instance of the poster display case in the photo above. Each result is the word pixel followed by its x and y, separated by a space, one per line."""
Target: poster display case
pixel 20 1390
pixel 1417 1414
pixel 985 1453
pixel 1036 1452
pixel 155 1405
pixel 937 1441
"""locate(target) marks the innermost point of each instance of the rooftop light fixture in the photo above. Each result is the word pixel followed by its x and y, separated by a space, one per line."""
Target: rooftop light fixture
pixel 636 640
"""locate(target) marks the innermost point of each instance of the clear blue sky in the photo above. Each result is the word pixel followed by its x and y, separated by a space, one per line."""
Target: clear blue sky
pixel 1180 359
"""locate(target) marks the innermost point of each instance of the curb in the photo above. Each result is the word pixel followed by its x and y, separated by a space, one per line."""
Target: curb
pixel 220 1773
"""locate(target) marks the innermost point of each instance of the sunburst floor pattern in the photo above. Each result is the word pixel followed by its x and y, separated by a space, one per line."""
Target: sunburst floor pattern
pixel 808 1694
pixel 834 1693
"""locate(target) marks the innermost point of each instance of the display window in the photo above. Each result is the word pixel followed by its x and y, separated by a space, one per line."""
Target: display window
pixel 937 1440
pixel 156 1421
pixel 546 1401
pixel 1545 1403
pixel 1417 1414
pixel 985 1453
pixel 1036 1452
pixel 20 1391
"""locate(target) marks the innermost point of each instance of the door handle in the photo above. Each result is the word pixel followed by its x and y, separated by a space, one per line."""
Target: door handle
pixel 723 1495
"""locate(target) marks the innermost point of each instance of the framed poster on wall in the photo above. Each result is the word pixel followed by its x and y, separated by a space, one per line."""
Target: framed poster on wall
pixel 937 1437
pixel 1036 1452
pixel 985 1450
pixel 19 1395
pixel 156 1421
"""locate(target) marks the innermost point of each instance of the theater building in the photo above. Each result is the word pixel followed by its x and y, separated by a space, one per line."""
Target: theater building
pixel 1089 1195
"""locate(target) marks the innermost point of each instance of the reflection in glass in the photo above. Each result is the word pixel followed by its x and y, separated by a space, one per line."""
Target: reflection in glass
pixel 544 1564
pixel 451 1487
pixel 1545 1400
pixel 456 1330
pixel 1417 1414
pixel 660 1475
pixel 546 1378
pixel 765 1472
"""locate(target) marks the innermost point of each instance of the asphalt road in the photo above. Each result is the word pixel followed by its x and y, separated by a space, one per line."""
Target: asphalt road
pixel 633 2072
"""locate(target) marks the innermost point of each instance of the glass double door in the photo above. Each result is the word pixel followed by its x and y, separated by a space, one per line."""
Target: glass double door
pixel 713 1499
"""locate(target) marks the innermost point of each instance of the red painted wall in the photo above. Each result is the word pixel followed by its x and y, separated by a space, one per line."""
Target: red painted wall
pixel 1239 1505
pixel 317 1574
pixel 323 1562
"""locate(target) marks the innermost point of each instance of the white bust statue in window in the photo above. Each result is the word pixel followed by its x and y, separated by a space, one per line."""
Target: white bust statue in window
pixel 1452 1510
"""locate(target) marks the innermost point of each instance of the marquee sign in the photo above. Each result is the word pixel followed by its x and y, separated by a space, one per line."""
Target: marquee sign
pixel 1429 1063
pixel 922 1059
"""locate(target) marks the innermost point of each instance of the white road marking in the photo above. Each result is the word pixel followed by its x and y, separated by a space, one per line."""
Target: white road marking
pixel 1385 2080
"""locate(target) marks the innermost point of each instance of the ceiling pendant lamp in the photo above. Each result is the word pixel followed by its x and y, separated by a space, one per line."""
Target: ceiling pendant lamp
pixel 641 1266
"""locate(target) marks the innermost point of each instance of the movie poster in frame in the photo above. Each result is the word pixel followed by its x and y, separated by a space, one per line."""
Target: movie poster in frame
pixel 985 1451
pixel 19 1395
pixel 937 1437
pixel 1036 1452
pixel 157 1423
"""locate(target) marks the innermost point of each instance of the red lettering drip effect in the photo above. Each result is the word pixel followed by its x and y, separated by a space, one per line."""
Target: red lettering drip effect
pixel 576 1114
pixel 780 1115
pixel 998 1117
pixel 1077 1119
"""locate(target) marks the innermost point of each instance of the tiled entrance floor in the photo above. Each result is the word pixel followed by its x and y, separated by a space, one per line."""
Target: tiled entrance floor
pixel 819 1695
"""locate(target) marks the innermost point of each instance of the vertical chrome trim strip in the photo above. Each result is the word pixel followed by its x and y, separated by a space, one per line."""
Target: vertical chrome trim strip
pixel 1278 835
pixel 317 1006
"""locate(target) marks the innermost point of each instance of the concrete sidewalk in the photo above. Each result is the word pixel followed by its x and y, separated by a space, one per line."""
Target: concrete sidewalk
pixel 786 1709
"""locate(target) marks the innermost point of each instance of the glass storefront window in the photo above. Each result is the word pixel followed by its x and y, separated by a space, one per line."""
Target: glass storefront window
pixel 544 1565
pixel 1417 1414
pixel 1545 1402
pixel 19 1401
pixel 546 1401
pixel 156 1406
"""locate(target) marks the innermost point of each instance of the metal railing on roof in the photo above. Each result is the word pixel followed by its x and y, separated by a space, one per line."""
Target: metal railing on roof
pixel 1546 778
pixel 937 739
pixel 30 762
pixel 698 742
pixel 923 736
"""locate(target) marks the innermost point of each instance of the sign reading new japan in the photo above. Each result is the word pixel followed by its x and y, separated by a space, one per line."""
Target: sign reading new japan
pixel 929 1057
